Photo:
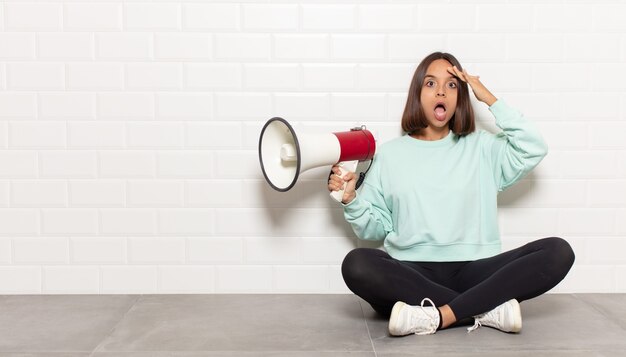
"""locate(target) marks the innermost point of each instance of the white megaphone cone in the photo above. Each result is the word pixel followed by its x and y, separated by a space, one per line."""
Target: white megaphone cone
pixel 284 154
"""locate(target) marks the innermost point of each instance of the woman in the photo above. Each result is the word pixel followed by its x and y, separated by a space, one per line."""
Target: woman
pixel 431 195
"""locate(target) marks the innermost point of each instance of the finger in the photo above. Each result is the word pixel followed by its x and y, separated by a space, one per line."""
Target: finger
pixel 459 74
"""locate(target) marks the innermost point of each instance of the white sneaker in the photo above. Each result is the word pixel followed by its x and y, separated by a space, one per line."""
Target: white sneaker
pixel 506 317
pixel 420 320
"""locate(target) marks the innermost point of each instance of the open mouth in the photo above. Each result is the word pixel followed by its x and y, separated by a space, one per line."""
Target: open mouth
pixel 440 112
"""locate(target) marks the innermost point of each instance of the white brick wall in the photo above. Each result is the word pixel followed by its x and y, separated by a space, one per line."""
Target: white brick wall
pixel 129 130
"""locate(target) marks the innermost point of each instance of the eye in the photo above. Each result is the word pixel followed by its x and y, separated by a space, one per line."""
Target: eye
pixel 452 84
pixel 429 83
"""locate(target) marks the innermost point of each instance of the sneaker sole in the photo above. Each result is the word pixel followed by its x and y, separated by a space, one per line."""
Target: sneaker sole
pixel 517 313
pixel 393 320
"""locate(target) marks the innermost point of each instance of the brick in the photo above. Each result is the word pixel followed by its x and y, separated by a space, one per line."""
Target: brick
pixel 155 135
pixel 272 77
pixel 386 17
pixel 185 164
pixel 328 17
pixel 71 280
pixel 98 250
pixel 67 106
pixel 96 76
pixel 186 279
pixel 329 76
pixel 537 48
pixel 301 279
pixel 188 221
pixel 297 222
pixel 586 222
pixel 124 222
pixel 391 77
pixel 18 106
pixel 215 250
pixel 505 18
pixel 37 135
pixel 272 250
pixel 186 46
pixel 40 251
pixel 17 46
pixel 244 279
pixel 127 164
pixel 591 48
pixel 245 46
pixel 33 16
pixel 270 17
pixel 608 18
pixel 152 16
pixel 156 250
pixel 18 164
pixel 97 193
pixel 606 250
pixel 213 135
pixel 185 106
pixel 129 279
pixel 213 193
pixel 93 16
pixel 308 47
pixel 5 251
pixel 358 47
pixel 65 46
pixel 478 47
pixel 587 164
pixel 326 250
pixel 154 76
pixel 151 193
pixel 558 78
pixel 35 76
pixel 20 280
pixel 458 18
pixel 572 110
pixel 213 76
pixel 124 46
pixel 229 106
pixel 573 136
pixel 556 18
pixel 289 106
pixel 211 16
pixel 414 47
pixel 126 106
pixel 526 221
pixel 19 222
pixel 359 107
pixel 68 164
pixel 237 164
pixel 39 193
pixel 96 135
pixel 69 221
pixel 607 193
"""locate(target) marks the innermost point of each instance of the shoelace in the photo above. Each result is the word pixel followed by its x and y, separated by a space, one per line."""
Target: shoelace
pixel 432 316
pixel 477 323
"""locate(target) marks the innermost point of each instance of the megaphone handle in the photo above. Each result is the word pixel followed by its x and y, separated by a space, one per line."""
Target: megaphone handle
pixel 344 168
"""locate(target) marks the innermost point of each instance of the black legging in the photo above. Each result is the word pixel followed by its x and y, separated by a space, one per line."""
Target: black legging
pixel 469 288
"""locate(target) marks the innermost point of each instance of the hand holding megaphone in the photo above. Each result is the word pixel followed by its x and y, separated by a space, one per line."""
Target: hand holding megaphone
pixel 343 183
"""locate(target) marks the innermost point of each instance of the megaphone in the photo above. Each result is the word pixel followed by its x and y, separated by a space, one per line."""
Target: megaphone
pixel 283 154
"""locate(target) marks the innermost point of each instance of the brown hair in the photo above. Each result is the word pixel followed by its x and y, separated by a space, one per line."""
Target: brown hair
pixel 414 119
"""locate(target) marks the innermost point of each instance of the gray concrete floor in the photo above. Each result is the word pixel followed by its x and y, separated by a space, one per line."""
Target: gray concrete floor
pixel 289 325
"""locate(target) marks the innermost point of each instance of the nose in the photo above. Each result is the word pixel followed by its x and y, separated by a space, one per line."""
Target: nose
pixel 441 92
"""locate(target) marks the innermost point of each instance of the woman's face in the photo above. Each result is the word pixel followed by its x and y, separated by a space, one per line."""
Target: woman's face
pixel 439 94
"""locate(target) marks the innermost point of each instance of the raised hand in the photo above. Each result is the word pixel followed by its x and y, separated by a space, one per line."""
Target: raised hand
pixel 480 91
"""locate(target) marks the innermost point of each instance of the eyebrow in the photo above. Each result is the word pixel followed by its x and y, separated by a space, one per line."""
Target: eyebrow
pixel 431 76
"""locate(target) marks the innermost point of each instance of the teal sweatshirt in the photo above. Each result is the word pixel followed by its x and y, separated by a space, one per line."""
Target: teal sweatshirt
pixel 437 200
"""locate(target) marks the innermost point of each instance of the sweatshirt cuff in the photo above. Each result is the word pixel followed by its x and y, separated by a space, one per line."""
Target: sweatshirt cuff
pixel 355 206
